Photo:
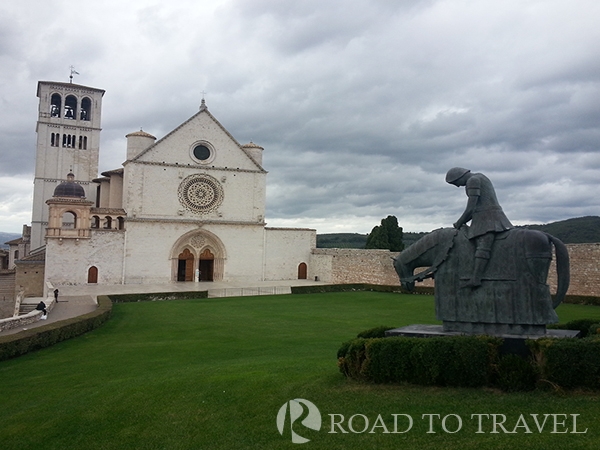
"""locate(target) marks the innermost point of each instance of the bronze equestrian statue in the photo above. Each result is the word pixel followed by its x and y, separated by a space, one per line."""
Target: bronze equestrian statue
pixel 490 278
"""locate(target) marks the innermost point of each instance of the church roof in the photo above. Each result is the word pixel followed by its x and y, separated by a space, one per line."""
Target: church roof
pixel 36 256
pixel 203 110
pixel 108 173
pixel 68 85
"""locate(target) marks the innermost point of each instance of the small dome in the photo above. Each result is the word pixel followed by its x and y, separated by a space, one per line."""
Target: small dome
pixel 140 133
pixel 69 188
pixel 252 145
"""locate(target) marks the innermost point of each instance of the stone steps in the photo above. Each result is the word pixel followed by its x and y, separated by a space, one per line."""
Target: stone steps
pixel 26 308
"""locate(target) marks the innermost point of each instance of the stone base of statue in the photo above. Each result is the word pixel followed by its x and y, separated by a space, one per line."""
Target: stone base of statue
pixel 439 331
pixel 495 329
pixel 513 343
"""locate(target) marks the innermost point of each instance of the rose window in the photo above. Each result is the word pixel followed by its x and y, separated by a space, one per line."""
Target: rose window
pixel 200 193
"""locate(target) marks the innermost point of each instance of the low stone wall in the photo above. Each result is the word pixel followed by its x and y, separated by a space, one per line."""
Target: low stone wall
pixel 585 270
pixel 342 266
pixel 26 319
pixel 348 266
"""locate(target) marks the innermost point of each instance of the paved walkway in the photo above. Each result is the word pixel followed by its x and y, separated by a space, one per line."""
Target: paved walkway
pixel 75 301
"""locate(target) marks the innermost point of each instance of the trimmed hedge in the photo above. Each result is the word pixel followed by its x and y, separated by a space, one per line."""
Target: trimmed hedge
pixel 420 290
pixel 584 326
pixel 377 332
pixel 474 361
pixel 26 341
pixel 568 363
pixel 158 296
pixel 452 361
pixel 321 288
pixel 582 300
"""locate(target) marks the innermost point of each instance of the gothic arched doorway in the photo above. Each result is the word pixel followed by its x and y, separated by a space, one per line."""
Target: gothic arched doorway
pixel 185 266
pixel 202 253
pixel 206 265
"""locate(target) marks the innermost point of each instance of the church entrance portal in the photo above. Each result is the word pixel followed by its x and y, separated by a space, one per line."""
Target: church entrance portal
pixel 206 265
pixel 185 266
pixel 198 256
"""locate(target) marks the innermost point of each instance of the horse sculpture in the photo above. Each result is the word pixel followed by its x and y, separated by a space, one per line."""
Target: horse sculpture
pixel 513 299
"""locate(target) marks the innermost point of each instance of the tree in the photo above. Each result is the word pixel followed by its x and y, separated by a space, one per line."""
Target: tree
pixel 388 235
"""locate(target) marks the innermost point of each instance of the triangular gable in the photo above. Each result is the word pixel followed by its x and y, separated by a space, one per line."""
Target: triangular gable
pixel 204 110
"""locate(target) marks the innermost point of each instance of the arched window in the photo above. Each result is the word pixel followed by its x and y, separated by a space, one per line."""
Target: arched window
pixel 69 140
pixel 54 139
pixel 16 255
pixel 121 223
pixel 86 109
pixel 95 222
pixel 69 220
pixel 108 223
pixel 70 107
pixel 55 104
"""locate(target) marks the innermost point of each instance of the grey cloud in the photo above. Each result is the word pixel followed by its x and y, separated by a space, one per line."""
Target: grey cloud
pixel 362 106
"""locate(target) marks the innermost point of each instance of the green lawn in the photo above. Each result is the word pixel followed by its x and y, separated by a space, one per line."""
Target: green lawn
pixel 213 373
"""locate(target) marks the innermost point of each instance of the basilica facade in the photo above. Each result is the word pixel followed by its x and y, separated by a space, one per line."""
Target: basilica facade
pixel 187 207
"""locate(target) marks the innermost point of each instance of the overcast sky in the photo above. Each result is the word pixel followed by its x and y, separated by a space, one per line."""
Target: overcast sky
pixel 361 105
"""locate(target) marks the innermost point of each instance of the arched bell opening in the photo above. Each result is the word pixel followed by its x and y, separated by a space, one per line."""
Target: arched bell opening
pixel 69 220
pixel 55 105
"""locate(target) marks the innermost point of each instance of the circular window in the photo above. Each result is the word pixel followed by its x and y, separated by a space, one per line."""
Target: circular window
pixel 200 193
pixel 202 152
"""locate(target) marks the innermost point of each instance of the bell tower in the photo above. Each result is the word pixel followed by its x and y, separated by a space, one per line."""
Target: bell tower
pixel 68 140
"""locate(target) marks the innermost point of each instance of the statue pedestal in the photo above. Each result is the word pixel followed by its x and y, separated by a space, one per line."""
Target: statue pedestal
pixel 513 343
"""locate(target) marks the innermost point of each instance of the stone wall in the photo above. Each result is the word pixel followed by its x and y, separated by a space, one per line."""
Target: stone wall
pixel 7 293
pixel 30 277
pixel 285 250
pixel 335 265
pixel 10 323
pixel 340 265
pixel 585 270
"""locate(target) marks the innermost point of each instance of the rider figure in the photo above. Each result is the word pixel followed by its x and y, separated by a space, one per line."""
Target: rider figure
pixel 485 214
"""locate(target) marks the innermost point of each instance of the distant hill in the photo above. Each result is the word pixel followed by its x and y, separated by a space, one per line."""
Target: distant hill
pixel 571 231
pixel 341 240
pixel 356 240
pixel 580 230
pixel 5 237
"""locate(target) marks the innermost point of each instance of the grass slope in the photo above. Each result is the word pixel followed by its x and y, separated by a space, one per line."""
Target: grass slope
pixel 213 373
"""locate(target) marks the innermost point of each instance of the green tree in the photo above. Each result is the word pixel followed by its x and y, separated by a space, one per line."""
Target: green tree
pixel 388 235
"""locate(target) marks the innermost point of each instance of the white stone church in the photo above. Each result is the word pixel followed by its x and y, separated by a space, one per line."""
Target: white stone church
pixel 187 207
